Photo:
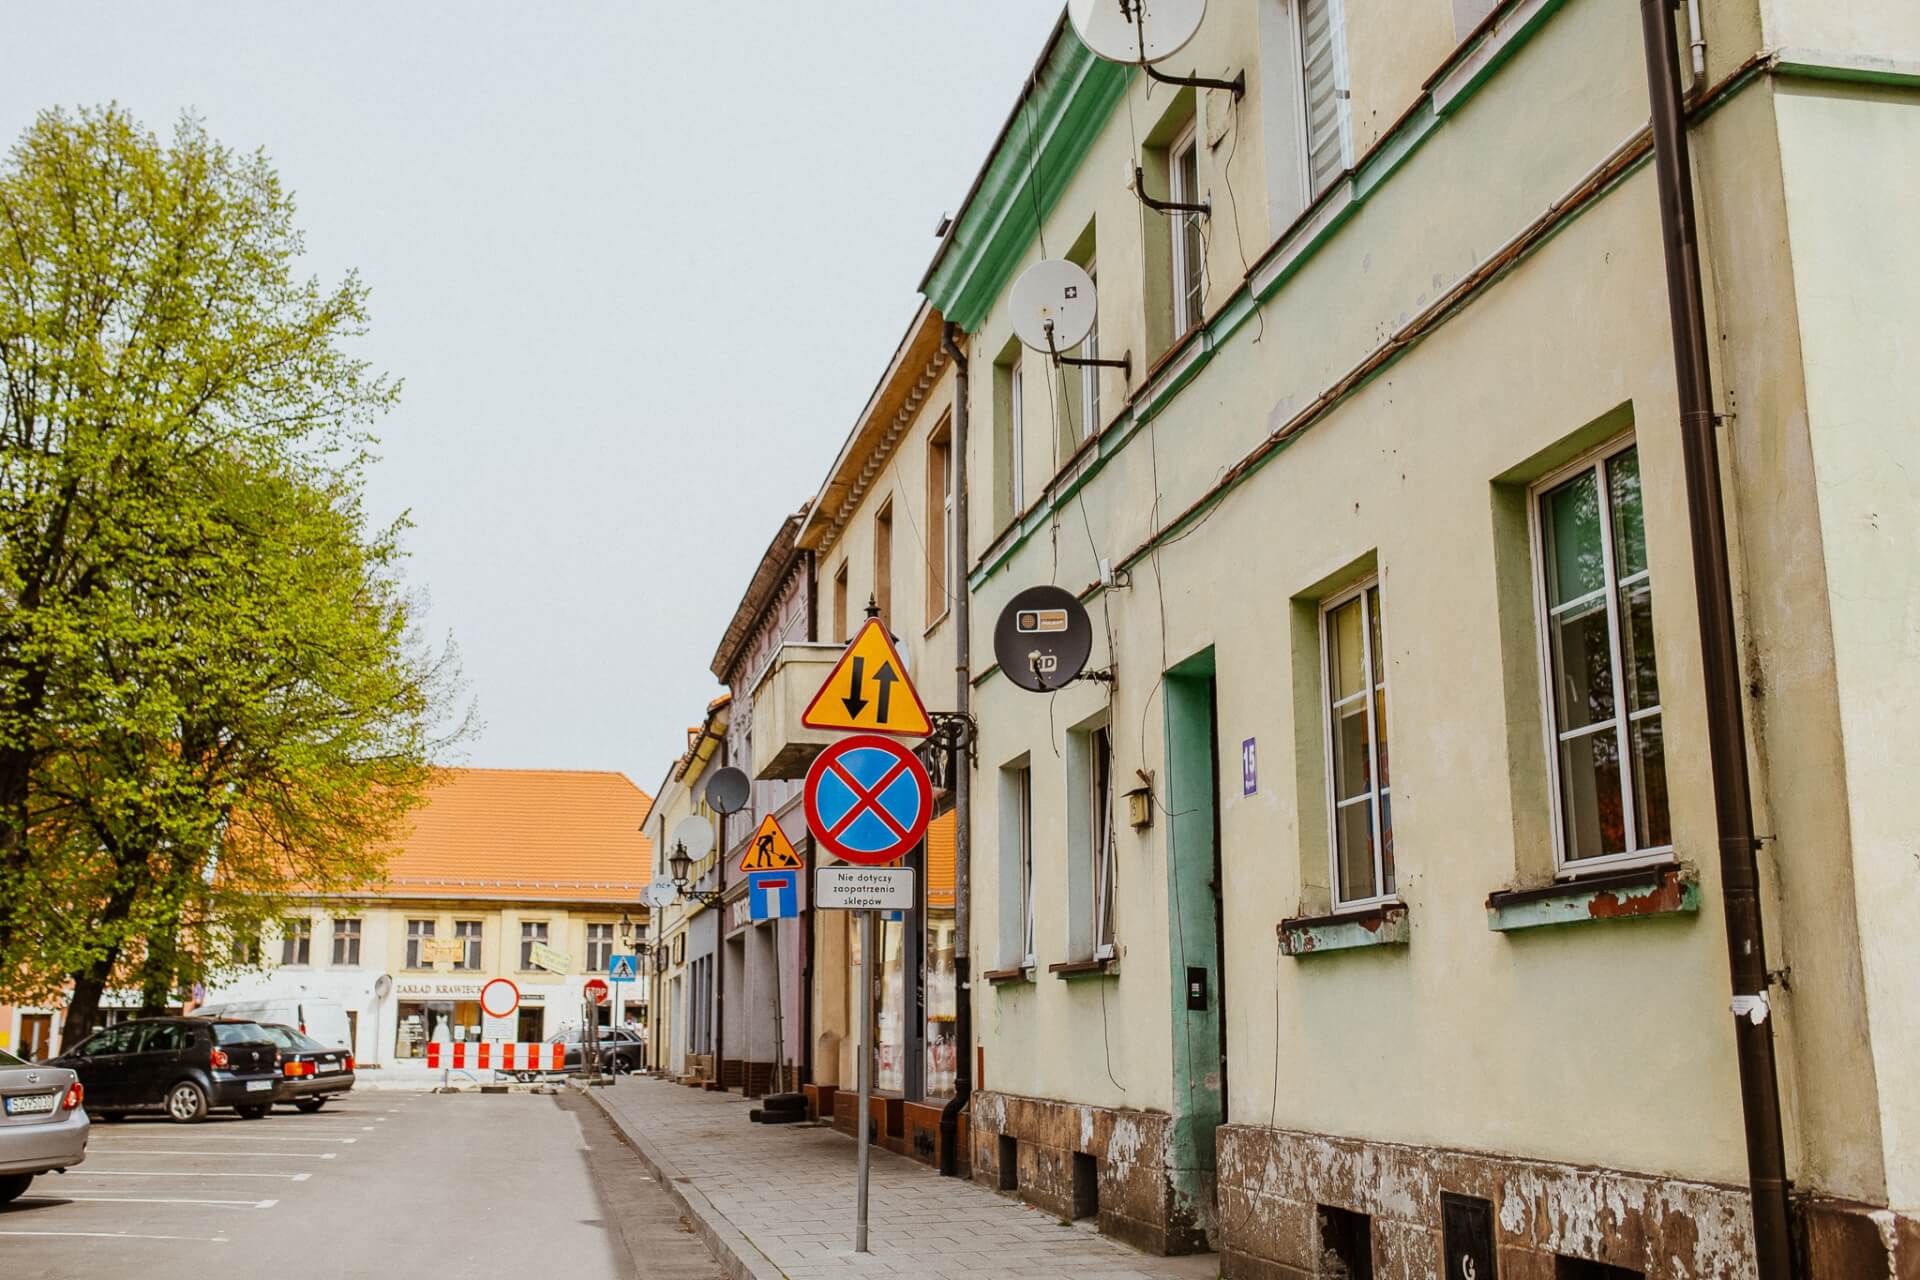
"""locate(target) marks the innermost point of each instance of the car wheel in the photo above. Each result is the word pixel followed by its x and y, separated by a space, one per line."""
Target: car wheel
pixel 12 1185
pixel 186 1103
pixel 308 1106
pixel 253 1113
pixel 621 1064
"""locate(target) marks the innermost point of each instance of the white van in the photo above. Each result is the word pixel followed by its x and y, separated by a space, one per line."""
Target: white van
pixel 323 1019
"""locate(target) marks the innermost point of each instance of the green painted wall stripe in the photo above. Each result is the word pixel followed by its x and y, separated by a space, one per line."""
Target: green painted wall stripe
pixel 1871 71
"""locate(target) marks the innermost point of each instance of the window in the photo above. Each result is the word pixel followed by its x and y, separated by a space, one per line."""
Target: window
pixel 1008 490
pixel 346 941
pixel 599 947
pixel 531 932
pixel 1090 844
pixel 1017 447
pixel 1090 374
pixel 1104 852
pixel 1603 704
pixel 939 519
pixel 469 934
pixel 296 941
pixel 883 563
pixel 418 931
pixel 1346 1243
pixel 840 605
pixel 1355 679
pixel 1016 866
pixel 1189 258
pixel 1323 68
pixel 246 950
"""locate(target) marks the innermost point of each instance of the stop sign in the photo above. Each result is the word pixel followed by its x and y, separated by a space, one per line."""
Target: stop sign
pixel 597 990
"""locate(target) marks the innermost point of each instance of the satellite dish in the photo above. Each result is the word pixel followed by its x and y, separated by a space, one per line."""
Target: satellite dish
pixel 1136 31
pixel 1042 639
pixel 660 892
pixel 1052 293
pixel 727 790
pixel 695 835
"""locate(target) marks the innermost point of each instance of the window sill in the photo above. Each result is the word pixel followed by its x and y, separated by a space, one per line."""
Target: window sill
pixel 1381 926
pixel 1006 977
pixel 1671 888
pixel 1075 970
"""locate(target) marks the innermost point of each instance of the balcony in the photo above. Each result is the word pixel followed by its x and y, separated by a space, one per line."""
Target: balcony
pixel 782 748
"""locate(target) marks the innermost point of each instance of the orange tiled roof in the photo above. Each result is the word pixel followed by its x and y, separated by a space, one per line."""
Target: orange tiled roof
pixel 538 834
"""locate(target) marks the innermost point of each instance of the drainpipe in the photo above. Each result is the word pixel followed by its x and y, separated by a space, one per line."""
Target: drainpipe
pixel 809 566
pixel 1720 658
pixel 962 776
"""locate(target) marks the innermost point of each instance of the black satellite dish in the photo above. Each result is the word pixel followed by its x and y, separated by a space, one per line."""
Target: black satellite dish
pixel 728 789
pixel 1043 639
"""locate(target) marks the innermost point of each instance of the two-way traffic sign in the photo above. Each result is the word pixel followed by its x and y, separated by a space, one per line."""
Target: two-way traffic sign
pixel 868 691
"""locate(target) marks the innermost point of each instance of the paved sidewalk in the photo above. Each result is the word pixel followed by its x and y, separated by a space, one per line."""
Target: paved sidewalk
pixel 777 1200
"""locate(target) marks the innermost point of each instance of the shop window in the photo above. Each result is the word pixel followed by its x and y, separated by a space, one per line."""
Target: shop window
pixel 1603 694
pixel 346 941
pixel 1565 1268
pixel 296 940
pixel 418 931
pixel 532 932
pixel 1346 1244
pixel 599 947
pixel 1354 676
pixel 470 934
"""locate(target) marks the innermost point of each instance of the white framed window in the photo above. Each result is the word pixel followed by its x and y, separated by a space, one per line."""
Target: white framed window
pixel 1609 775
pixel 1016 866
pixel 1024 798
pixel 1327 117
pixel 1017 442
pixel 531 931
pixel 346 941
pixel 1100 821
pixel 1189 250
pixel 1359 801
pixel 418 931
pixel 599 947
pixel 1090 374
pixel 296 940
pixel 469 932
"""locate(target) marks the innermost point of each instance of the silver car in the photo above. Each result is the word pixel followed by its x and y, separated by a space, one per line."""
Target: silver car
pixel 43 1124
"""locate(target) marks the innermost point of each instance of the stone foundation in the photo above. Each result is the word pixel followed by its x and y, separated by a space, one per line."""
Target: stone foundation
pixel 1273 1184
pixel 1128 1186
pixel 1842 1240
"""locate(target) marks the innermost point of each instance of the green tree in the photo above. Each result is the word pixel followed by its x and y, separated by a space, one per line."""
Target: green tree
pixel 210 694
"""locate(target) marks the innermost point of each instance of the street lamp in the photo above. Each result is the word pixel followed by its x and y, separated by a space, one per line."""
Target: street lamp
pixel 680 862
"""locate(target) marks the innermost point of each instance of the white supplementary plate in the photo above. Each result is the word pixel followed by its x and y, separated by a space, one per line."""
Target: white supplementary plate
pixel 863 888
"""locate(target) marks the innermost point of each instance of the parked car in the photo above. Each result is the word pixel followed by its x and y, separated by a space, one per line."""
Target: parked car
pixel 323 1019
pixel 310 1072
pixel 621 1050
pixel 43 1126
pixel 182 1066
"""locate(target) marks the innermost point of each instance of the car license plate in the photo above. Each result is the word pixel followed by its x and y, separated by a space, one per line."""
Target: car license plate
pixel 29 1105
pixel 325 1067
pixel 259 1086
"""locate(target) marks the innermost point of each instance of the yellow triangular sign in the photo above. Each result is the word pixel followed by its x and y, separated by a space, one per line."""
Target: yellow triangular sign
pixel 869 691
pixel 770 850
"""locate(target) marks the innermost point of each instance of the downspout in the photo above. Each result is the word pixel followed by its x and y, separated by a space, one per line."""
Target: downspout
pixel 1720 658
pixel 962 776
pixel 720 957
pixel 810 566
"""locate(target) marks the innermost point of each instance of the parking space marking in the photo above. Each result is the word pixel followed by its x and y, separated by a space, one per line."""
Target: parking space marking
pixel 83 1198
pixel 120 1235
pixel 208 1151
pixel 251 1137
pixel 78 1172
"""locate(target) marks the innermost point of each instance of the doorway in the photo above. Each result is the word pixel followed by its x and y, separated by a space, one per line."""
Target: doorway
pixel 1194 926
pixel 36 1036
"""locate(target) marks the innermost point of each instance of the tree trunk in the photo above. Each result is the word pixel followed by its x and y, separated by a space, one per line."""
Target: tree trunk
pixel 83 1005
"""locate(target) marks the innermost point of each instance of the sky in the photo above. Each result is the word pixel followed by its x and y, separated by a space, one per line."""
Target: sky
pixel 639 265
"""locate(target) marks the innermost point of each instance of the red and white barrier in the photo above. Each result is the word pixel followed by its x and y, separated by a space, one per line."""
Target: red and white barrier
pixel 480 1055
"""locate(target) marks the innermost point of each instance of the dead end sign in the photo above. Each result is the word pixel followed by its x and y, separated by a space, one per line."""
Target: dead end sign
pixel 868 799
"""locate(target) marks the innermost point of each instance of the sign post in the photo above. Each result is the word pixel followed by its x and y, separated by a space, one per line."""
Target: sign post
pixel 865 1122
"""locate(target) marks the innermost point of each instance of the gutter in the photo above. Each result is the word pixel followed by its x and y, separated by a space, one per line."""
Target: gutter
pixel 962 776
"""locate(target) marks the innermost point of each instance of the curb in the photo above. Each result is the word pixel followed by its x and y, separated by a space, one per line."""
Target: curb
pixel 737 1254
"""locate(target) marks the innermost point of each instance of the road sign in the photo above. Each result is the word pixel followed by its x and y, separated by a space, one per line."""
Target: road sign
pixel 596 990
pixel 863 888
pixel 769 850
pixel 868 799
pixel 869 691
pixel 546 957
pixel 773 895
pixel 622 968
pixel 499 998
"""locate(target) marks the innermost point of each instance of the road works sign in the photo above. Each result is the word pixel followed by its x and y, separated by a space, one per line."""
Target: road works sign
pixel 863 888
pixel 773 895
pixel 769 850
pixel 869 691
pixel 868 799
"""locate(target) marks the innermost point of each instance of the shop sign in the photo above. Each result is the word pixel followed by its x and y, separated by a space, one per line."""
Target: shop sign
pixel 551 959
pixel 437 950
pixel 453 991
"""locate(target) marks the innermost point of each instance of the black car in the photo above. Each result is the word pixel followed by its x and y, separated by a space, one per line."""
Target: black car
pixel 182 1066
pixel 310 1073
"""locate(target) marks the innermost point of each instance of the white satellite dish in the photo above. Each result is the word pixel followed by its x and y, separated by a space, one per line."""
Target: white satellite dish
pixel 660 892
pixel 1053 305
pixel 695 834
pixel 1136 31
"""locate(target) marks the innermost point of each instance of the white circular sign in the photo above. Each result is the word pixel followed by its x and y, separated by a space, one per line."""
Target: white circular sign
pixel 1052 305
pixel 695 835
pixel 1136 31
pixel 500 990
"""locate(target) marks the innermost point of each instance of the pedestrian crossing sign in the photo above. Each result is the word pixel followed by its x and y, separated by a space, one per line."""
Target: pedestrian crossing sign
pixel 860 694
pixel 769 850
pixel 622 968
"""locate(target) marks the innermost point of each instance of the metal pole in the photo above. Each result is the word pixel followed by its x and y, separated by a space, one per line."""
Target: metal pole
pixel 865 1074
pixel 1720 657
pixel 779 1021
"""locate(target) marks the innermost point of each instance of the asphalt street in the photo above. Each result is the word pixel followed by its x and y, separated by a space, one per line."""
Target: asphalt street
pixel 383 1183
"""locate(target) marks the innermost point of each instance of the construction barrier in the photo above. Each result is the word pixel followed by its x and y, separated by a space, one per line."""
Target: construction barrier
pixel 481 1055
